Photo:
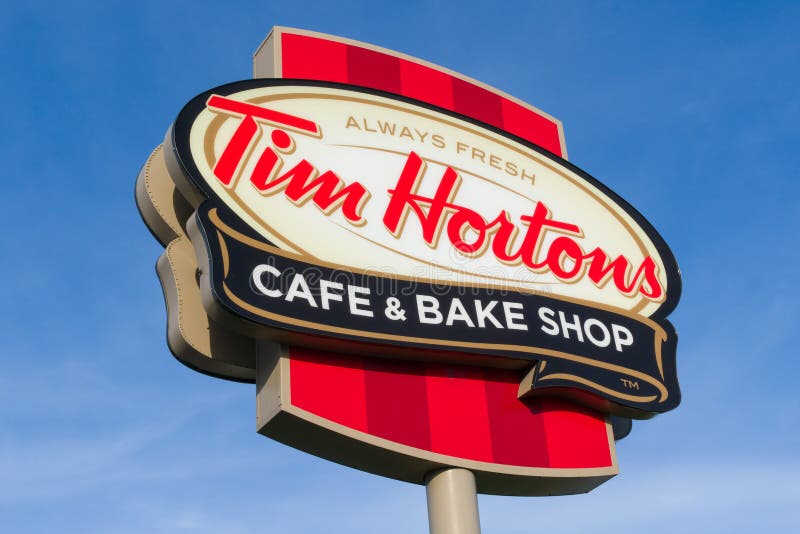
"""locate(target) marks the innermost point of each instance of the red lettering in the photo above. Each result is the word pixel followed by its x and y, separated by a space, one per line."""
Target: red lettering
pixel 618 270
pixel 327 191
pixel 467 230
pixel 228 162
pixel 653 290
pixel 248 131
pixel 565 248
pixel 266 166
pixel 404 200
pixel 538 223
pixel 300 183
pixel 564 256
pixel 460 223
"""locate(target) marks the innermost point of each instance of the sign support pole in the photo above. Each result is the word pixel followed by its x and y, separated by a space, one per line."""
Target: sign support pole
pixel 452 502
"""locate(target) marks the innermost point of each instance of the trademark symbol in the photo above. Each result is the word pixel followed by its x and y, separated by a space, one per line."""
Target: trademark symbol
pixel 630 384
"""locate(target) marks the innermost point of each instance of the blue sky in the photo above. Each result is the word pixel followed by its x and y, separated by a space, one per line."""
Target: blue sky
pixel 688 110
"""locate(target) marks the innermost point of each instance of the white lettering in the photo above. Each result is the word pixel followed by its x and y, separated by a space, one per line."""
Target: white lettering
pixel 587 327
pixel 355 301
pixel 511 316
pixel 622 337
pixel 428 310
pixel 458 313
pixel 258 272
pixel 566 326
pixel 486 313
pixel 547 315
pixel 325 294
pixel 299 288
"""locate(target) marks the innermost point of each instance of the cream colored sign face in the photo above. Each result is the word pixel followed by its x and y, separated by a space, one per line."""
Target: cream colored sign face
pixel 379 184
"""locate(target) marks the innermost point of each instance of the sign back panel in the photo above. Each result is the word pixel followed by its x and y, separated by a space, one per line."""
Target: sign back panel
pixel 404 216
pixel 429 231
pixel 405 419
pixel 302 54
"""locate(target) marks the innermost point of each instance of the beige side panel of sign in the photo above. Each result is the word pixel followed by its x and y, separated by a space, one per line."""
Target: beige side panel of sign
pixel 193 337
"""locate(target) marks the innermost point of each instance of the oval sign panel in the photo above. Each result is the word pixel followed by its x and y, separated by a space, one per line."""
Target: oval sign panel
pixel 336 214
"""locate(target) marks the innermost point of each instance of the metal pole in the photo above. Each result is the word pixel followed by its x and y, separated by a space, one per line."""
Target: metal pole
pixel 452 502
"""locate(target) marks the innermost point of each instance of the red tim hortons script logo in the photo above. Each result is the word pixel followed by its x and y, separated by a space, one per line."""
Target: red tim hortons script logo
pixel 330 213
pixel 302 182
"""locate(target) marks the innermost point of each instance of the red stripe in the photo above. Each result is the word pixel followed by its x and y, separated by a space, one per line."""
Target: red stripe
pixel 576 437
pixel 426 84
pixel 524 123
pixel 397 405
pixel 313 59
pixel 477 102
pixel 465 412
pixel 321 59
pixel 376 70
pixel 517 427
pixel 459 420
pixel 330 386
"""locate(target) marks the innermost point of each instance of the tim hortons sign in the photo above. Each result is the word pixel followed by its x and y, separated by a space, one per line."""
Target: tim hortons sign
pixel 423 277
